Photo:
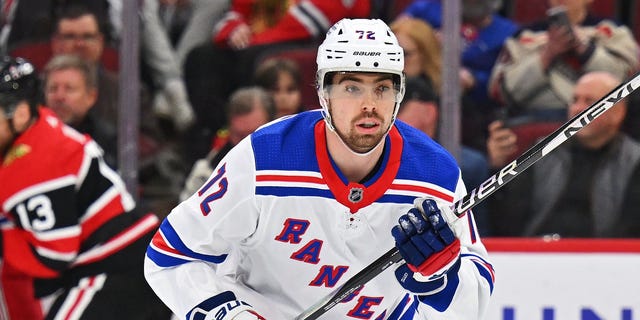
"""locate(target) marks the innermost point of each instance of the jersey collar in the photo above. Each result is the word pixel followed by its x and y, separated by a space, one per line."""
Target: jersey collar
pixel 352 194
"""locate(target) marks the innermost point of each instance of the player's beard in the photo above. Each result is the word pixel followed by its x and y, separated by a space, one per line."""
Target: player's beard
pixel 363 143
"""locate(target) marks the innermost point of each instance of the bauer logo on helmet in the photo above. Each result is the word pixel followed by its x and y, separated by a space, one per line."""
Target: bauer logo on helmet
pixel 366 53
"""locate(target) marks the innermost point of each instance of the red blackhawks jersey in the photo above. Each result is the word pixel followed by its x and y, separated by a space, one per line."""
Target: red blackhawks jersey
pixel 68 213
pixel 278 227
pixel 292 19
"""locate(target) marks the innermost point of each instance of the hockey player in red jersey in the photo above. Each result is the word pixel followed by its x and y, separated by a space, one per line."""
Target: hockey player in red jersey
pixel 70 225
pixel 307 201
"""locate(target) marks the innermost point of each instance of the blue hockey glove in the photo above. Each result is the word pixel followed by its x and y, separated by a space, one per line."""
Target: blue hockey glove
pixel 425 240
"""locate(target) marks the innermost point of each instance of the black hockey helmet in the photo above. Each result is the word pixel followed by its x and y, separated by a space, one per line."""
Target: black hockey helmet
pixel 18 82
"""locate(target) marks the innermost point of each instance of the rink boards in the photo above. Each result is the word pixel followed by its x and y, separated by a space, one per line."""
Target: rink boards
pixel 568 279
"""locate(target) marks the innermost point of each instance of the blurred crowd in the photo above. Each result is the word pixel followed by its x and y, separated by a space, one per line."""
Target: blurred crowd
pixel 214 71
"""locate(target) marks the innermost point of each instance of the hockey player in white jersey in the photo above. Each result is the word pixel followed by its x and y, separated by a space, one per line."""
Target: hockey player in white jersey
pixel 306 202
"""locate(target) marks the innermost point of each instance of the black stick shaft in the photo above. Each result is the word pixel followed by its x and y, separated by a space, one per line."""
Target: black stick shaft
pixel 488 187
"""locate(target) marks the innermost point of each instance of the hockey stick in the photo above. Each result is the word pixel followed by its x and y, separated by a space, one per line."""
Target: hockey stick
pixel 488 187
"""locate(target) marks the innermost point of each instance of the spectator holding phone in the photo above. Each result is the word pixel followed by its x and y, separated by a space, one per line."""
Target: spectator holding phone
pixel 538 67
pixel 587 187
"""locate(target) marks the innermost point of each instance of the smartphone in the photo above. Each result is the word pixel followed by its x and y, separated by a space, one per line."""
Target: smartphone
pixel 519 121
pixel 558 16
pixel 509 121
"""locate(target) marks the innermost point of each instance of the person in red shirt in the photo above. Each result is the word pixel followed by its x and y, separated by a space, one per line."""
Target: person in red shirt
pixel 256 22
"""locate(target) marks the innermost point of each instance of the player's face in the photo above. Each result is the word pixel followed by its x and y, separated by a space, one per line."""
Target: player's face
pixel 79 36
pixel 361 107
pixel 67 94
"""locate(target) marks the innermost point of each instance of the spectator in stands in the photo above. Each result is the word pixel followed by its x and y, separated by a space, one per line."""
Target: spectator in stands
pixel 174 16
pixel 422 50
pixel 203 16
pixel 38 20
pixel 540 64
pixel 595 186
pixel 171 100
pixel 29 21
pixel 483 33
pixel 501 144
pixel 419 108
pixel 251 23
pixel 249 30
pixel 248 109
pixel 160 164
pixel 71 91
pixel 72 227
pixel 281 77
pixel 78 31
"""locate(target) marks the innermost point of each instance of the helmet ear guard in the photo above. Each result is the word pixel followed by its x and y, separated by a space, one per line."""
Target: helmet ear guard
pixel 18 82
pixel 359 45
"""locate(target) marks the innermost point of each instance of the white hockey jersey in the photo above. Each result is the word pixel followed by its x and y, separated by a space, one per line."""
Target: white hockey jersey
pixel 279 227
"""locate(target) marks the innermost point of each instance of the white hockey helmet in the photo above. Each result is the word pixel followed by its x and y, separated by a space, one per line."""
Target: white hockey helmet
pixel 359 45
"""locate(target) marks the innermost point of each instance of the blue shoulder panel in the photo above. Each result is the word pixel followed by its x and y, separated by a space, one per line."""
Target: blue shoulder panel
pixel 425 160
pixel 288 144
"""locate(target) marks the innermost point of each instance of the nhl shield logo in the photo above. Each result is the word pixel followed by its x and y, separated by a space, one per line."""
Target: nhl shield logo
pixel 355 195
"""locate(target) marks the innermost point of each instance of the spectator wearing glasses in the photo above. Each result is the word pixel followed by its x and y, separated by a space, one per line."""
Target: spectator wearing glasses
pixel 78 32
